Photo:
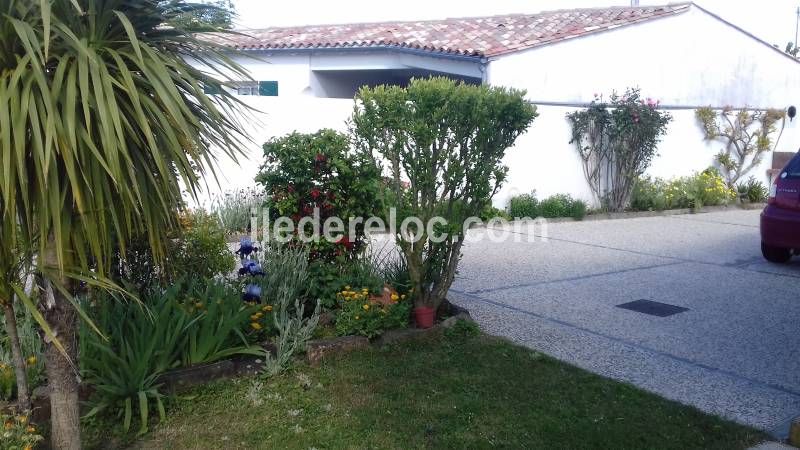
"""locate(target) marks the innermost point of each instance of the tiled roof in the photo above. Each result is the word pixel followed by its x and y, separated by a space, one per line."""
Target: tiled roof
pixel 473 36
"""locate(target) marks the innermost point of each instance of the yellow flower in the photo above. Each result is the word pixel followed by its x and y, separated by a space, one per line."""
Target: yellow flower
pixel 31 360
pixel 8 425
pixel 255 326
pixel 347 288
pixel 30 429
pixel 366 307
pixel 403 296
pixel 22 419
pixel 199 305
pixel 268 308
pixel 28 447
pixel 254 317
pixel 395 297
pixel 357 317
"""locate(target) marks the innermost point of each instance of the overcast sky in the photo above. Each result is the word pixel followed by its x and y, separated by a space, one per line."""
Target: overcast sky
pixel 771 20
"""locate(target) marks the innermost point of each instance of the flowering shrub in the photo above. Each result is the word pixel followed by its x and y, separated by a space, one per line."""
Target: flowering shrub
pixel 706 188
pixel 308 172
pixel 368 313
pixel 617 141
pixel 18 433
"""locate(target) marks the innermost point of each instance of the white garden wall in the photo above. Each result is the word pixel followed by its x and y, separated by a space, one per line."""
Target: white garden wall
pixel 543 159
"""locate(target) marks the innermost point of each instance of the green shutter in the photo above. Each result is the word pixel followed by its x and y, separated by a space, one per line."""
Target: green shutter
pixel 268 88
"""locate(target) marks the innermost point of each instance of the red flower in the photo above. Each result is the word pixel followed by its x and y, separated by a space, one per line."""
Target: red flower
pixel 315 193
pixel 307 209
pixel 345 241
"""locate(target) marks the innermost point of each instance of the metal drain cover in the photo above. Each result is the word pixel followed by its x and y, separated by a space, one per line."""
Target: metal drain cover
pixel 653 308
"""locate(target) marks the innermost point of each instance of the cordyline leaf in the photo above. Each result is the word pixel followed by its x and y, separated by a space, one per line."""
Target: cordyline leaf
pixel 103 125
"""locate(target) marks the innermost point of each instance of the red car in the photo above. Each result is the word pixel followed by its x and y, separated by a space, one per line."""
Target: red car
pixel 780 221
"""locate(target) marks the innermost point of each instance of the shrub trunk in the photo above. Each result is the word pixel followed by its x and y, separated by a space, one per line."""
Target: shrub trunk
pixel 23 394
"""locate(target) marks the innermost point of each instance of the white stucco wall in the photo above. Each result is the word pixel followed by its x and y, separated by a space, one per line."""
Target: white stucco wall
pixel 544 160
pixel 691 59
pixel 664 57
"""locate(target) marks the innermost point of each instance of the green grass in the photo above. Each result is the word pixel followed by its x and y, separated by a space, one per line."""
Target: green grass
pixel 451 392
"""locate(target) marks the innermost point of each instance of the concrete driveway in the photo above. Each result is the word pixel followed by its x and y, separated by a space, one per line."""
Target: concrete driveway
pixel 734 352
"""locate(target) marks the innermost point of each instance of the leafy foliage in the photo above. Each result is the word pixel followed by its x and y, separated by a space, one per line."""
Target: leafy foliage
pixel 234 209
pixel 617 141
pixel 746 134
pixel 31 347
pixel 361 314
pixel 189 323
pixel 289 269
pixel 213 15
pixel 706 188
pixel 753 190
pixel 105 122
pixel 558 205
pixel 198 248
pixel 442 143
pixel 115 117
pixel 18 433
pixel 307 171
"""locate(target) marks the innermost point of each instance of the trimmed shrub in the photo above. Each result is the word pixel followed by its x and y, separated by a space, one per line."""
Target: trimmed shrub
pixel 524 205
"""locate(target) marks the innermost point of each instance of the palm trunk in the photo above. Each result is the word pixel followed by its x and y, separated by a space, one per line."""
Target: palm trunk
pixel 62 375
pixel 23 395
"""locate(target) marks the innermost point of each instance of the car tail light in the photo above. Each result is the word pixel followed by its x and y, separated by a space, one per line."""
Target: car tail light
pixel 773 192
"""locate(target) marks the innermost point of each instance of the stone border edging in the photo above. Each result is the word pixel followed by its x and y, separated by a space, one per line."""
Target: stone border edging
pixel 661 213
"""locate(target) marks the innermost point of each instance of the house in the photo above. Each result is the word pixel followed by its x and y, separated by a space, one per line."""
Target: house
pixel 680 54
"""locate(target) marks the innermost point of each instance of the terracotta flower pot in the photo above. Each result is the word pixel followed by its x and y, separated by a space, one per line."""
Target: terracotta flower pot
pixel 424 316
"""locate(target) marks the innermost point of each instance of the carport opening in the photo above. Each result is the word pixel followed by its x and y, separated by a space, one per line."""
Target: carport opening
pixel 345 83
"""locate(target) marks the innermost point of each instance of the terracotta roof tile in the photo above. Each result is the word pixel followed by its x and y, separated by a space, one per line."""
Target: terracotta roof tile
pixel 473 36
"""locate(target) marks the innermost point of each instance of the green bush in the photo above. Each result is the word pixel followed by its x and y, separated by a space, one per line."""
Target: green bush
pixel 201 250
pixel 706 188
pixel 559 205
pixel 753 190
pixel 648 195
pixel 197 249
pixel 319 170
pixel 490 212
pixel 443 143
pixel 524 205
pixel 359 315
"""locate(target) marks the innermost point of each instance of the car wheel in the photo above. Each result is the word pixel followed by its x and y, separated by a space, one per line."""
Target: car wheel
pixel 776 254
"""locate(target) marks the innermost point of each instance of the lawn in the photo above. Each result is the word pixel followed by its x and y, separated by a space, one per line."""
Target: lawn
pixel 455 391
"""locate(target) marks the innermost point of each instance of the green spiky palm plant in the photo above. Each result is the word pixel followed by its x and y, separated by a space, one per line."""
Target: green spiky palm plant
pixel 103 121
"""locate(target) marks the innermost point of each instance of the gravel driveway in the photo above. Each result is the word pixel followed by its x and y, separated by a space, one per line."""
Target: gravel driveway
pixel 734 352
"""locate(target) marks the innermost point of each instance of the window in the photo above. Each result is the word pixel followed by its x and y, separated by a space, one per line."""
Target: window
pixel 260 88
pixel 793 169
